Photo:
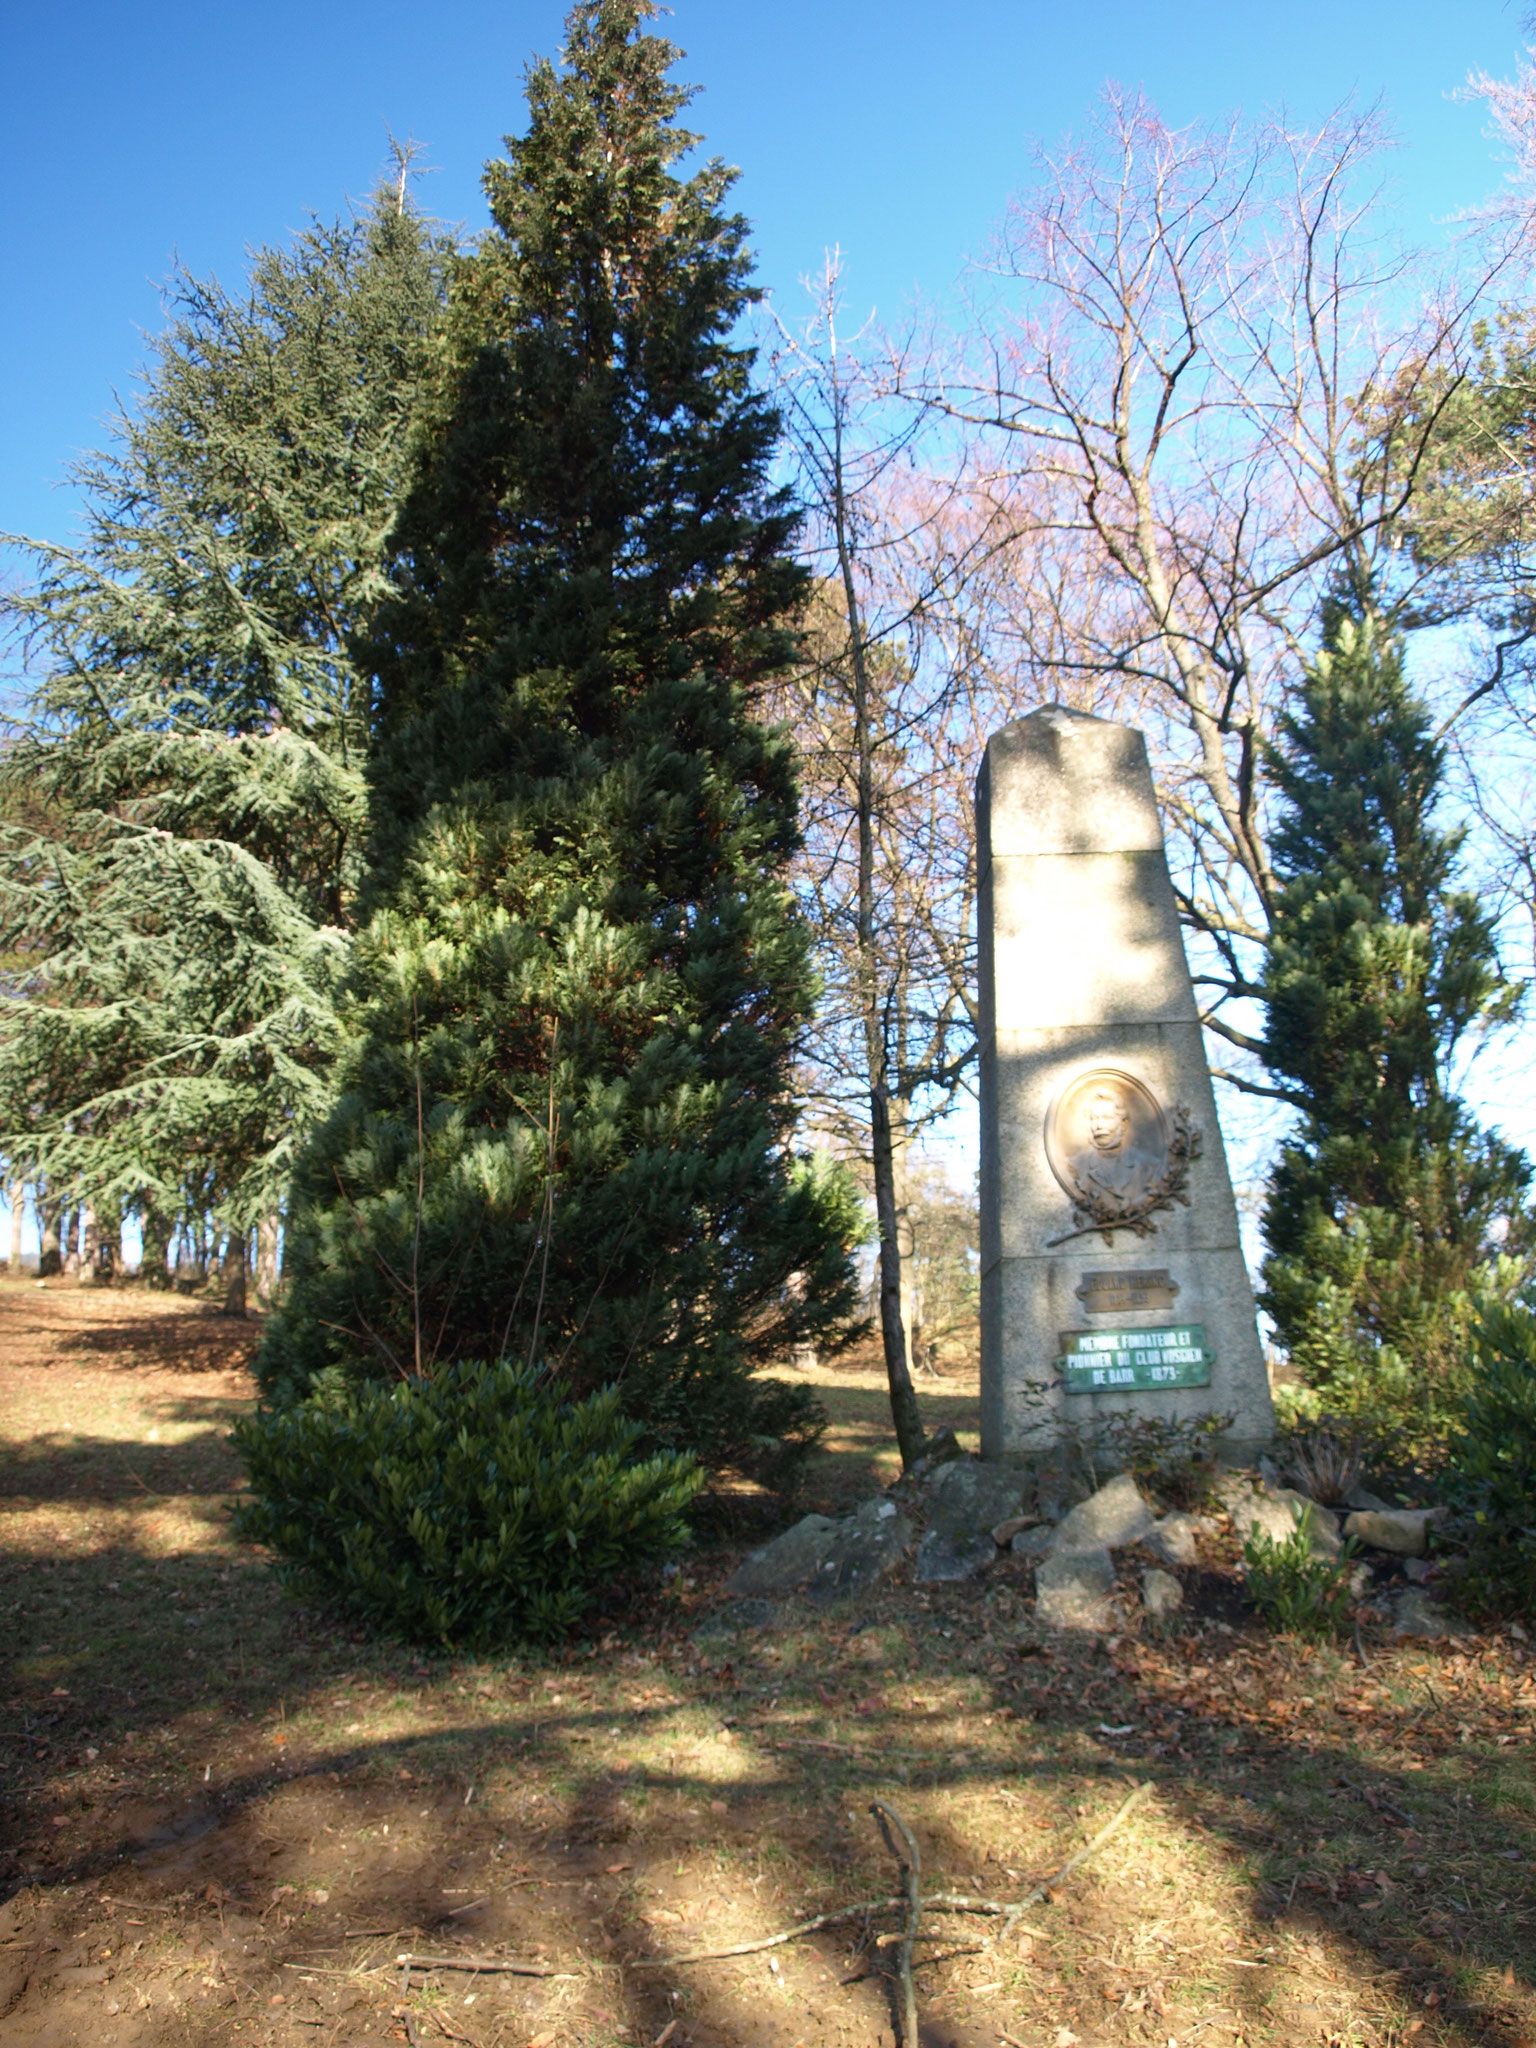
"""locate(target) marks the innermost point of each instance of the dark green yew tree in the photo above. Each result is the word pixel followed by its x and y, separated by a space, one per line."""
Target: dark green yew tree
pixel 1387 1205
pixel 566 1122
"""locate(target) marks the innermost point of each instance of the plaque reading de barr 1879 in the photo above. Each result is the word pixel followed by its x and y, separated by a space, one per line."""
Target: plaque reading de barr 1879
pixel 1096 1361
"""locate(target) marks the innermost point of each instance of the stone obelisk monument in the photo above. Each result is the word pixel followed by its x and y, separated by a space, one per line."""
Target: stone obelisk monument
pixel 1112 1276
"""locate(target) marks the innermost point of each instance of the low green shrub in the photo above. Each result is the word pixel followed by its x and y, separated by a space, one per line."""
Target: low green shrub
pixel 1491 1476
pixel 1296 1592
pixel 471 1509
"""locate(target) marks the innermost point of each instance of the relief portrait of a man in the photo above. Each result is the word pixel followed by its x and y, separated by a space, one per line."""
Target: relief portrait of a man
pixel 1107 1140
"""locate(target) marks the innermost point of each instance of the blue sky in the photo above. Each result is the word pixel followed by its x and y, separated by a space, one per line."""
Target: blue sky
pixel 138 133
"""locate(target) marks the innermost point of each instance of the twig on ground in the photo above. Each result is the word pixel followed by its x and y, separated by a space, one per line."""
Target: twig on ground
pixel 1360 1646
pixel 946 1902
pixel 902 1844
pixel 1122 1813
pixel 752 1948
pixel 476 1965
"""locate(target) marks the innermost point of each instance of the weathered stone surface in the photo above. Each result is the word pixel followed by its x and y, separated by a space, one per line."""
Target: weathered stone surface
pixel 1010 1526
pixel 865 1547
pixel 1035 1542
pixel 1106 1520
pixel 1367 1502
pixel 1083 978
pixel 1275 1513
pixel 942 1447
pixel 1161 1594
pixel 1072 1591
pixel 1415 1615
pixel 1173 1539
pixel 965 1500
pixel 826 1559
pixel 787 1563
pixel 1403 1531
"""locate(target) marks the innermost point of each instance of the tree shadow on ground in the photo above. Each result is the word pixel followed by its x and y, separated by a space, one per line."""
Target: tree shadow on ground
pixel 612 1832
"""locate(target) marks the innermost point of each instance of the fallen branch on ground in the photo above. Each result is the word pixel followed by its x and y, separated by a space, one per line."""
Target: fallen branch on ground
pixel 902 1844
pixel 477 1965
pixel 943 1902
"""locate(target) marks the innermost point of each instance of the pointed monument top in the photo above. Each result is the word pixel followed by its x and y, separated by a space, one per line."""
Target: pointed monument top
pixel 1063 781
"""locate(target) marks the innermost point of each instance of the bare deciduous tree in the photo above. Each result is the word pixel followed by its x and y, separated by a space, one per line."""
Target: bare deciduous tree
pixel 1169 374
pixel 888 725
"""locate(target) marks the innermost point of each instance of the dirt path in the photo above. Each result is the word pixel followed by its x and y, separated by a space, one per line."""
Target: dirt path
pixel 224 1818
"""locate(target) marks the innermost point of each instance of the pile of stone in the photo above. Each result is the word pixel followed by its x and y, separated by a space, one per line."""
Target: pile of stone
pixel 971 1513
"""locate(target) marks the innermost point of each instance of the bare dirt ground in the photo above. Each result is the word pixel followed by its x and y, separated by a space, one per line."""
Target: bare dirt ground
pixel 225 1818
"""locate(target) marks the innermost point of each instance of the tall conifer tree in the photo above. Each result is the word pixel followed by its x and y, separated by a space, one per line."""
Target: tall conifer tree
pixel 185 805
pixel 1388 1199
pixel 567 1120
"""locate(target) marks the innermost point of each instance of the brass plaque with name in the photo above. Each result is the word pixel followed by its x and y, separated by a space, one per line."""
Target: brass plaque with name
pixel 1119 1294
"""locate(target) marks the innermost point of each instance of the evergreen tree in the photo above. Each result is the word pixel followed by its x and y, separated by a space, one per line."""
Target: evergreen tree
pixel 186 804
pixel 1387 1203
pixel 566 1128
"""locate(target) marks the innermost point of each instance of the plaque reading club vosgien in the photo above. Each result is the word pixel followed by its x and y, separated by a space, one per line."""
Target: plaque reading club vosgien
pixel 1112 1273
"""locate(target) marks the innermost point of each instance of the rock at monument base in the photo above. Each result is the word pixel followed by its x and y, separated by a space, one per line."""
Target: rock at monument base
pixel 826 1559
pixel 1072 1591
pixel 867 1546
pixel 1172 1538
pixel 941 1449
pixel 1402 1531
pixel 1107 1520
pixel 1416 1615
pixel 1275 1514
pixel 966 1499
pixel 785 1564
pixel 1036 1542
pixel 1161 1595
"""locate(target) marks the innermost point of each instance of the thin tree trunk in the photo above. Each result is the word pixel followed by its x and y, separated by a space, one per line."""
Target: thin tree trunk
pixel 90 1240
pixel 47 1236
pixel 904 1411
pixel 234 1275
pixel 156 1233
pixel 18 1210
pixel 69 1240
pixel 901 1141
pixel 267 1267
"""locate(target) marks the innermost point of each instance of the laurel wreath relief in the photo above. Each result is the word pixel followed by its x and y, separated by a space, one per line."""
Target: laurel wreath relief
pixel 1097 1209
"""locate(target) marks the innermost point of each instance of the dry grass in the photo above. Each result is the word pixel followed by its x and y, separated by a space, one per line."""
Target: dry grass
pixel 225 1817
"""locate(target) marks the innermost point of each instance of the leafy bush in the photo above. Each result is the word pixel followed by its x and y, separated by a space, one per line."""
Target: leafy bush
pixel 471 1508
pixel 1491 1479
pixel 1176 1459
pixel 1296 1592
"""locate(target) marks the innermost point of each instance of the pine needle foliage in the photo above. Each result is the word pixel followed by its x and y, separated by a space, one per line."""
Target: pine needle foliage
pixel 185 803
pixel 468 1510
pixel 1389 1212
pixel 565 1133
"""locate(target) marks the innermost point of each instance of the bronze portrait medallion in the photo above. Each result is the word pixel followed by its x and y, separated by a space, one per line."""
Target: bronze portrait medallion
pixel 1107 1140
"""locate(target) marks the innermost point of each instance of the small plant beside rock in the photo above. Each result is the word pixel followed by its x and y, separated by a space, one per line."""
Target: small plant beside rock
pixel 1297 1590
pixel 1174 1458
